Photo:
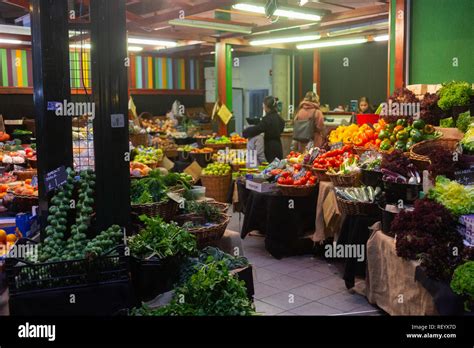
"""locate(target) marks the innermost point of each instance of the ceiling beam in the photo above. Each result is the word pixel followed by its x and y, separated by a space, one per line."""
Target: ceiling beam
pixel 358 12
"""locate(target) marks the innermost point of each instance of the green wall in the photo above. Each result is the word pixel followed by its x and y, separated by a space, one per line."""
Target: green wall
pixel 441 30
pixel 366 74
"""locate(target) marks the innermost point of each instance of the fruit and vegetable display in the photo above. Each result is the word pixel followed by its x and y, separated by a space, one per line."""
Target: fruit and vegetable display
pixel 204 150
pixel 295 157
pixel 165 144
pixel 463 283
pixel 457 198
pixel 218 140
pixel 199 214
pixel 7 177
pixel 147 155
pixel 4 137
pixel 397 168
pixel 349 165
pixel 161 240
pixel 430 112
pixel 138 169
pixel 296 176
pixel 333 158
pixel 217 169
pixel 237 139
pixel 211 291
pixel 7 240
pixel 159 126
pixel 370 160
pixel 187 148
pixel 400 96
pixel 235 157
pixel 179 135
pixel 23 189
pixel 155 187
pixel 463 121
pixel 454 94
pixel 366 194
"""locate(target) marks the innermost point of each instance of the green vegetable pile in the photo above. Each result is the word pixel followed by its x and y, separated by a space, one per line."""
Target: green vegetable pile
pixel 463 121
pixel 209 255
pixel 77 246
pixel 463 283
pixel 209 212
pixel 454 94
pixel 155 187
pixel 211 291
pixel 458 199
pixel 161 240
pixel 467 141
pixel 447 123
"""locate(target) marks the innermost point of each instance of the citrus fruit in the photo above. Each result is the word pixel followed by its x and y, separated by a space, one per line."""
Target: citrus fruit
pixel 3 237
pixel 11 238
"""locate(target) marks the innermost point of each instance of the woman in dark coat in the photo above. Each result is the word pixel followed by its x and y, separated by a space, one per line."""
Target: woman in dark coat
pixel 271 126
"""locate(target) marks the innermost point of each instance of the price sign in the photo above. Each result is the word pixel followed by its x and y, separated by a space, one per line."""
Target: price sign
pixel 34 181
pixel 55 179
pixel 465 177
pixel 336 146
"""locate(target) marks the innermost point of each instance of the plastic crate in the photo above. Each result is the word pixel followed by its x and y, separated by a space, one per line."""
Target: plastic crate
pixel 24 276
pixel 367 118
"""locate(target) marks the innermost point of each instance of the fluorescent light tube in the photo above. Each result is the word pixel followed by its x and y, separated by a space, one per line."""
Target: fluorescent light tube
pixel 281 11
pixel 211 25
pixel 381 38
pixel 135 48
pixel 288 39
pixel 11 42
pixel 151 42
pixel 332 43
pixel 86 46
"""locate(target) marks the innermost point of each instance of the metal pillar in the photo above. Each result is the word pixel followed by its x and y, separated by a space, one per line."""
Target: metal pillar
pixel 110 90
pixel 50 49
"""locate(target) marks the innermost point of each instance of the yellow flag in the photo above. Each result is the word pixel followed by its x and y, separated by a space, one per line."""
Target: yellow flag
pixel 224 114
pixel 132 107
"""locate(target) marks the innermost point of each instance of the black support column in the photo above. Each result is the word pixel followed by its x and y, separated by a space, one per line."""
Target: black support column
pixel 110 90
pixel 50 49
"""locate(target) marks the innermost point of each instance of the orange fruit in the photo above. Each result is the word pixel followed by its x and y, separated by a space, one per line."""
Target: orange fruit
pixel 11 238
pixel 3 237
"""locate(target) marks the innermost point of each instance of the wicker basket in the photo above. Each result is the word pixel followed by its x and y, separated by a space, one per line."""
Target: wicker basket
pixel 139 139
pixel 217 187
pixel 223 207
pixel 239 146
pixel 217 147
pixel 165 210
pixel 321 174
pixel 418 151
pixel 22 175
pixel 33 163
pixel 206 236
pixel 237 167
pixel 357 208
pixel 350 180
pixel 296 191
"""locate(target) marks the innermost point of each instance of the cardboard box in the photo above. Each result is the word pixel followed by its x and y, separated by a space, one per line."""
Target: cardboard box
pixel 262 187
pixel 418 89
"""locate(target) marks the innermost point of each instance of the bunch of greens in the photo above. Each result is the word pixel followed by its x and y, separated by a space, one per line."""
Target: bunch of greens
pixel 430 112
pixel 428 233
pixel 155 187
pixel 206 256
pixel 211 291
pixel 447 123
pixel 464 121
pixel 454 94
pixel 209 212
pixel 467 141
pixel 161 240
pixel 104 241
pixel 463 283
pixel 457 198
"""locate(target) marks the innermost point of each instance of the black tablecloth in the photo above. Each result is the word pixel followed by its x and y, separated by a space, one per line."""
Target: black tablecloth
pixel 284 220
pixel 355 231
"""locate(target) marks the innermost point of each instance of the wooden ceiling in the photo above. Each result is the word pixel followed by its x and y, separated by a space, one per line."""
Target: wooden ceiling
pixel 150 19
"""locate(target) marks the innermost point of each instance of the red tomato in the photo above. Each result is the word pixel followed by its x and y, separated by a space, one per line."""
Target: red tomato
pixel 281 181
pixel 297 166
pixel 289 181
pixel 285 174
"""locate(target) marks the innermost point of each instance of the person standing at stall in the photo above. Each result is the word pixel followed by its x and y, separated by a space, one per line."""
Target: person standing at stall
pixel 271 125
pixel 309 123
pixel 364 106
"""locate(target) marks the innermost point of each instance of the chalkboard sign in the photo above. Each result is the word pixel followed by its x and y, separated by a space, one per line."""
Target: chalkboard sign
pixel 336 146
pixel 55 179
pixel 465 177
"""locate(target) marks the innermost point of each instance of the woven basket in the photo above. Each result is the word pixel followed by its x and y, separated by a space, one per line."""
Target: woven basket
pixel 165 210
pixel 357 208
pixel 139 139
pixel 350 180
pixel 321 174
pixel 239 146
pixel 237 167
pixel 223 207
pixel 217 147
pixel 33 163
pixel 206 236
pixel 22 175
pixel 217 187
pixel 296 191
pixel 418 151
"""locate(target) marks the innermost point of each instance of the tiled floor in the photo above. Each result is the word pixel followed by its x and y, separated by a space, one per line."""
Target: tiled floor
pixel 299 285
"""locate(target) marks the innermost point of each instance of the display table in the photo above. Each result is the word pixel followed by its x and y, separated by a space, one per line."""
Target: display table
pixel 328 217
pixel 284 225
pixel 390 280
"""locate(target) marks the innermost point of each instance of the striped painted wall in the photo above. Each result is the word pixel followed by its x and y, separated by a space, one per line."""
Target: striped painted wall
pixel 148 72
pixel 15 68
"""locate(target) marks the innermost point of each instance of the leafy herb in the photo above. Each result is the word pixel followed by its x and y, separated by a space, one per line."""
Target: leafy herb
pixel 463 283
pixel 161 240
pixel 155 187
pixel 208 211
pixel 463 121
pixel 457 198
pixel 430 112
pixel 454 94
pixel 211 291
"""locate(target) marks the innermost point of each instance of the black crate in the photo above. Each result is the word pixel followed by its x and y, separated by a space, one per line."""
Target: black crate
pixel 23 276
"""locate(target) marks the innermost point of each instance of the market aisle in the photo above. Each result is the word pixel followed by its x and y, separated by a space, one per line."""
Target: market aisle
pixel 299 285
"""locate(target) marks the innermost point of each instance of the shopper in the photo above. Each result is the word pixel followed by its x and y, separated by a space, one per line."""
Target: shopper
pixel 364 106
pixel 271 126
pixel 256 150
pixel 309 123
